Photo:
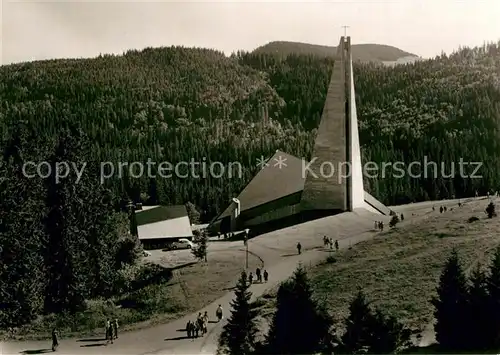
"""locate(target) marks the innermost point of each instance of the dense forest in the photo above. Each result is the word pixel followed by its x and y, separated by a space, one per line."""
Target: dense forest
pixel 177 104
pixel 66 241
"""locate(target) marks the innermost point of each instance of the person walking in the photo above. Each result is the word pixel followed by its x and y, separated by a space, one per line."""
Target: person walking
pixel 250 278
pixel 266 276
pixel 259 275
pixel 108 331
pixel 205 322
pixel 199 322
pixel 115 328
pixel 299 248
pixel 218 313
pixel 55 342
pixel 337 245
pixel 188 328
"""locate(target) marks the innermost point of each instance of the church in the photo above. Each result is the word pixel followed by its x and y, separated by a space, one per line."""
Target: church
pixel 289 190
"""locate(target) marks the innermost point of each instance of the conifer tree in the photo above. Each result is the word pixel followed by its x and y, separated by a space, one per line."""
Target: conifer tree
pixel 388 336
pixel 64 253
pixel 493 287
pixel 359 325
pixel 238 335
pixel 478 314
pixel 200 250
pixel 194 215
pixel 450 305
pixel 300 325
pixel 22 279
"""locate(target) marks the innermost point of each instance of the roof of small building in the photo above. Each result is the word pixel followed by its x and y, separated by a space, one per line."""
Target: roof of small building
pixel 164 222
pixel 282 176
pixel 152 214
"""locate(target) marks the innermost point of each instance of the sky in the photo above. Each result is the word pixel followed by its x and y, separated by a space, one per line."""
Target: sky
pixel 37 29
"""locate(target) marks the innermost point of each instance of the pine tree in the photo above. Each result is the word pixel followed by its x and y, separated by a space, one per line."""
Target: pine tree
pixel 388 336
pixel 65 250
pixel 238 335
pixel 359 325
pixel 450 306
pixel 478 315
pixel 200 250
pixel 493 287
pixel 22 279
pixel 194 215
pixel 300 325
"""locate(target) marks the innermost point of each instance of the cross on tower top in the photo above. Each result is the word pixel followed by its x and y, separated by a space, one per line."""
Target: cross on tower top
pixel 345 30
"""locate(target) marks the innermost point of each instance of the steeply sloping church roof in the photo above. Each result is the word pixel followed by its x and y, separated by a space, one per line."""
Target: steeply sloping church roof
pixel 272 182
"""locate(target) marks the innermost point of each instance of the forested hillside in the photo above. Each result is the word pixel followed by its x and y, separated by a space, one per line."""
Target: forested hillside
pixel 360 52
pixel 177 104
pixel 64 242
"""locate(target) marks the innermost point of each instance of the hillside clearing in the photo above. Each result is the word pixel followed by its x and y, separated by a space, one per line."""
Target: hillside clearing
pixel 400 268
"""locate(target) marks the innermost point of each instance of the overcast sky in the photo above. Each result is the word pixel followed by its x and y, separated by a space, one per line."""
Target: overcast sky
pixel 34 29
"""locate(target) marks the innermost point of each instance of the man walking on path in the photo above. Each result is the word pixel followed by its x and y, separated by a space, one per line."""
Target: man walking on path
pixel 337 245
pixel 188 329
pixel 299 247
pixel 259 275
pixel 55 342
pixel 266 276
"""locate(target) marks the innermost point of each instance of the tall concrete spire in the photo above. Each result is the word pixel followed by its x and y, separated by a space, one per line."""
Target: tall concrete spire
pixel 325 188
pixel 334 176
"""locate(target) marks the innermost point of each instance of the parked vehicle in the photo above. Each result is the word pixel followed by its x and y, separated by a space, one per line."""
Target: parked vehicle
pixel 182 243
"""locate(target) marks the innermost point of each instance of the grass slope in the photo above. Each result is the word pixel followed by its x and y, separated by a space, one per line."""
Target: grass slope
pixel 157 295
pixel 399 270
pixel 362 52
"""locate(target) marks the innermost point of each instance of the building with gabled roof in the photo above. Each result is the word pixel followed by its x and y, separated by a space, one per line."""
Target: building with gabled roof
pixel 160 225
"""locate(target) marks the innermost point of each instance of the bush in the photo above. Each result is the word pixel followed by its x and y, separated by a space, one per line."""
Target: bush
pixel 473 219
pixel 490 210
pixel 331 259
pixel 394 221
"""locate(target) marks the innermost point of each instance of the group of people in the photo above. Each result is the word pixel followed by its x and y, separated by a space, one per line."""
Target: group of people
pixel 329 242
pixel 111 333
pixel 200 326
pixel 259 274
pixel 379 225
pixel 111 330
